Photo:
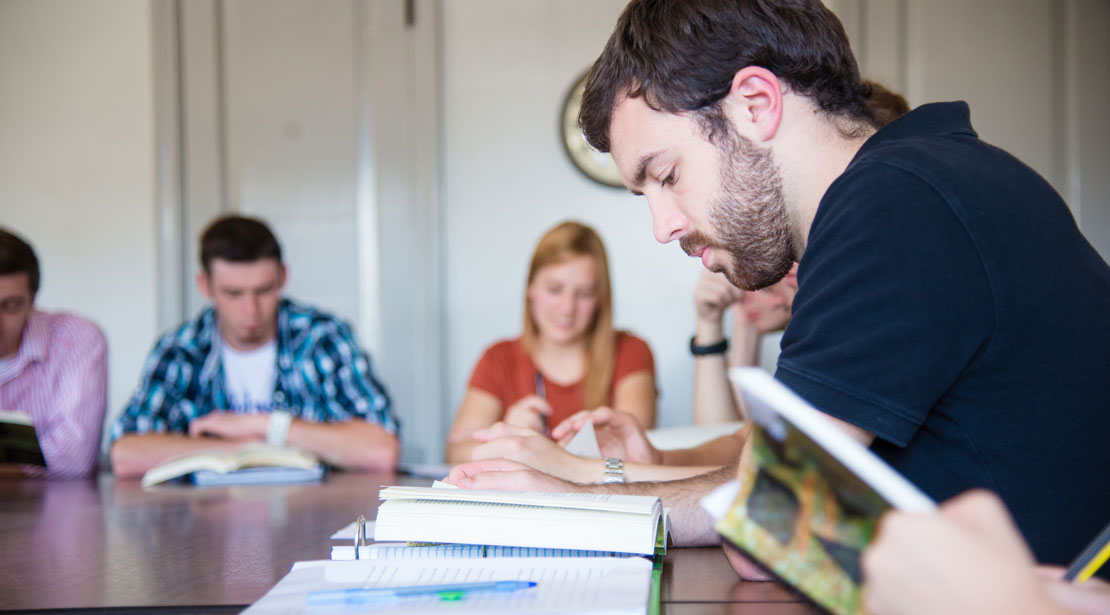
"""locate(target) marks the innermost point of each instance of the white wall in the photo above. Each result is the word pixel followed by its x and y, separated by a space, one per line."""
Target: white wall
pixel 507 65
pixel 78 174
pixel 76 164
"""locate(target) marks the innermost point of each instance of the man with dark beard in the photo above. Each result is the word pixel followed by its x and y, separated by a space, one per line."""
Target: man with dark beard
pixel 745 125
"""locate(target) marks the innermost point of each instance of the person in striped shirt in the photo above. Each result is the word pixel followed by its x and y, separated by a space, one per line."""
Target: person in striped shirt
pixel 255 367
pixel 53 367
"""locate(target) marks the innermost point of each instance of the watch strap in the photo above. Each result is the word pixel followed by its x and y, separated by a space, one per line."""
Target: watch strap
pixel 700 351
pixel 277 429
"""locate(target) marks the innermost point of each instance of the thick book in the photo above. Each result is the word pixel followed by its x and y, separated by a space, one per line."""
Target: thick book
pixel 18 441
pixel 808 497
pixel 252 464
pixel 623 524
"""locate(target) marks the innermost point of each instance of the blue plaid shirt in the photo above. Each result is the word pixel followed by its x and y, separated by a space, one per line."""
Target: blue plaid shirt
pixel 322 375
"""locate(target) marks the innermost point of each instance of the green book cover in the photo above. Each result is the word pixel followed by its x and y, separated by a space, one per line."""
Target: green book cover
pixel 810 497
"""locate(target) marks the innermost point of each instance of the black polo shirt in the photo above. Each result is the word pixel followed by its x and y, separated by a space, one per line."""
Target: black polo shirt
pixel 948 304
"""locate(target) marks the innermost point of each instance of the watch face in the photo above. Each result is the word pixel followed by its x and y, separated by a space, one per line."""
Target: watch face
pixel 593 164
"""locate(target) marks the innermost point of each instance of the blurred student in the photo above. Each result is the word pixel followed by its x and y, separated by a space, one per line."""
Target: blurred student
pixel 255 367
pixel 53 367
pixel 568 358
pixel 968 558
pixel 754 315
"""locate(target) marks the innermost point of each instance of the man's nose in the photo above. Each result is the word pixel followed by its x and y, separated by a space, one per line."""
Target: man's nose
pixel 668 223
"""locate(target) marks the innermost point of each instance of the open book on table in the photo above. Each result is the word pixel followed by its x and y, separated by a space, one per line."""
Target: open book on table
pixel 252 464
pixel 576 523
pixel 18 441
pixel 809 497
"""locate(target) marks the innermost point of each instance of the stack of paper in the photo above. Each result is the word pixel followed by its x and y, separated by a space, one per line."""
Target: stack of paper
pixel 563 585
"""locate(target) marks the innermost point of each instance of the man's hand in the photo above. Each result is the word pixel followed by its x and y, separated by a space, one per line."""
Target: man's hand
pixel 747 570
pixel 1092 597
pixel 230 426
pixel 968 558
pixel 528 412
pixel 619 435
pixel 712 294
pixel 536 451
pixel 768 309
pixel 506 475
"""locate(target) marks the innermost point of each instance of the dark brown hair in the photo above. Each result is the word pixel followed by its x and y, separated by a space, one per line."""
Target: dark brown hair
pixel 681 55
pixel 17 256
pixel 885 104
pixel 237 239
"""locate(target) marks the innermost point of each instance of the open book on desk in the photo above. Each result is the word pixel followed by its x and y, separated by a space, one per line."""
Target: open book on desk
pixel 253 464
pixel 563 585
pixel 809 497
pixel 623 524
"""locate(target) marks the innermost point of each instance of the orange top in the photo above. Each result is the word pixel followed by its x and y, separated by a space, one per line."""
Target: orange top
pixel 507 372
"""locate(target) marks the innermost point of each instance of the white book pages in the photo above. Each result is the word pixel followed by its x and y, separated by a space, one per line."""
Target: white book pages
pixel 604 586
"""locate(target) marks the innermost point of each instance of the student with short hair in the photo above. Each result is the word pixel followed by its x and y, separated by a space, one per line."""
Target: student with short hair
pixel 255 366
pixel 53 367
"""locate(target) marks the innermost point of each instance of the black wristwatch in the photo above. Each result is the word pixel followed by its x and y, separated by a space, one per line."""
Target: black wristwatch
pixel 701 351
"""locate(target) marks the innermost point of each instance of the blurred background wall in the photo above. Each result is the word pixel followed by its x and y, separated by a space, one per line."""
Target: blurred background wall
pixel 408 155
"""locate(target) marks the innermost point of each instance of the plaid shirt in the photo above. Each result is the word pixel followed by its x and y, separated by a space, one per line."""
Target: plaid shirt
pixel 322 375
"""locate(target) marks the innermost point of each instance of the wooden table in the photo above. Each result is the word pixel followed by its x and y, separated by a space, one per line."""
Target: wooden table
pixel 84 546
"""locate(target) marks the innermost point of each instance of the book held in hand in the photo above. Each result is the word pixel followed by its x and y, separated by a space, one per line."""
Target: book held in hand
pixel 18 441
pixel 808 497
pixel 591 522
pixel 252 464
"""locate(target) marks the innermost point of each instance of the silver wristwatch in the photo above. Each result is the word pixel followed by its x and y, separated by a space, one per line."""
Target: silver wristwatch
pixel 614 471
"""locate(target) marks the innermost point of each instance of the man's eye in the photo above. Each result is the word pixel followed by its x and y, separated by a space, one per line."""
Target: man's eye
pixel 669 179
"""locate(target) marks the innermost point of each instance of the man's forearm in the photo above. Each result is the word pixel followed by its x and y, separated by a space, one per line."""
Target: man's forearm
pixel 132 455
pixel 351 445
pixel 690 525
pixel 715 453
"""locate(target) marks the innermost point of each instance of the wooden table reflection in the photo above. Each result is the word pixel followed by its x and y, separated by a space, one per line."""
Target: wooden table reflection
pixel 84 546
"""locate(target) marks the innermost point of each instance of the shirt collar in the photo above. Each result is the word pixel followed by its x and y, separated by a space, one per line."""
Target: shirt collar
pixel 945 118
pixel 36 336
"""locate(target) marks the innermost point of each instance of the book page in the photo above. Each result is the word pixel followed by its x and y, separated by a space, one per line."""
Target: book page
pixel 564 585
pixel 640 504
pixel 584 443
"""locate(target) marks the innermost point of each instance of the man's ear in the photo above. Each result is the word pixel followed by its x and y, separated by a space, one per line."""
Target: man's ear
pixel 284 275
pixel 754 101
pixel 203 284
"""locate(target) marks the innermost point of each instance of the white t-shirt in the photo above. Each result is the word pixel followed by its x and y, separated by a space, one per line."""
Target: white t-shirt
pixel 249 377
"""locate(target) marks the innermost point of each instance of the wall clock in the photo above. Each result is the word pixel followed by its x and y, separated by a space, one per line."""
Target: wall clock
pixel 592 163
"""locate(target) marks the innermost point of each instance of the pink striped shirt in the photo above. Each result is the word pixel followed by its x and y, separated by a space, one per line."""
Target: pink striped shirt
pixel 59 377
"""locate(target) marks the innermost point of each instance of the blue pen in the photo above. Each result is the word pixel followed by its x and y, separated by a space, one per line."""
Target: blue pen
pixel 449 591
